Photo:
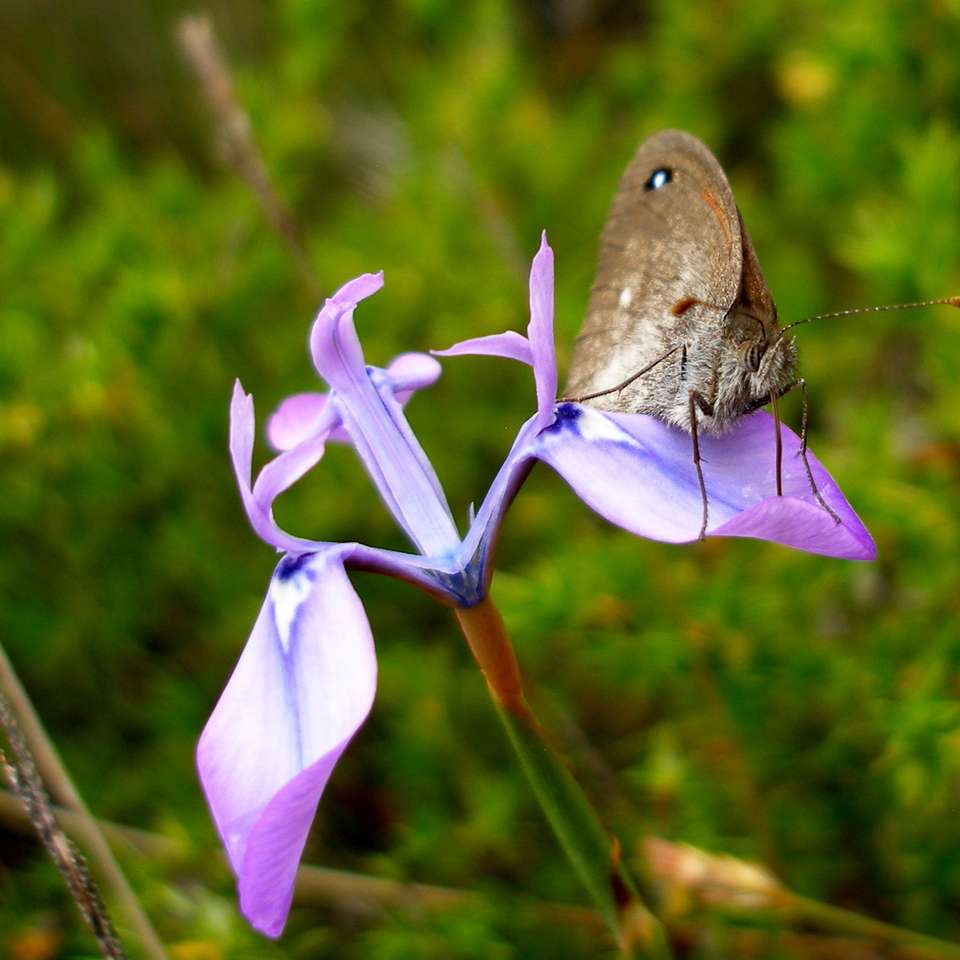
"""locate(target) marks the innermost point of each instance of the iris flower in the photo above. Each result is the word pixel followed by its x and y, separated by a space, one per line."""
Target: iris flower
pixel 306 679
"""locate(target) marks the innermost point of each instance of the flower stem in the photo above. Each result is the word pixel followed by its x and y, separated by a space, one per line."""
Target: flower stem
pixel 593 852
pixel 55 775
pixel 487 637
pixel 797 911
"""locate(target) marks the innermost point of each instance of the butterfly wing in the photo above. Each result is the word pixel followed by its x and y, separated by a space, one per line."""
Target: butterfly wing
pixel 671 264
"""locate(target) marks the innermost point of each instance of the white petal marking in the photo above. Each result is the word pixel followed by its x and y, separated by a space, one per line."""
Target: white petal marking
pixel 287 596
pixel 593 426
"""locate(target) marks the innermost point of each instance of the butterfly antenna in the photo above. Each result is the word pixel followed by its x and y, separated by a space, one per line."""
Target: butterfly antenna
pixel 947 301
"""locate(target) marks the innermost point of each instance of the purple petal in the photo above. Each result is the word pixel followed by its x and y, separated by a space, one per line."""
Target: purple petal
pixel 359 288
pixel 412 371
pixel 379 431
pixel 399 468
pixel 638 473
pixel 511 345
pixel 480 541
pixel 443 578
pixel 302 687
pixel 242 432
pixel 284 470
pixel 275 477
pixel 336 351
pixel 334 344
pixel 540 332
pixel 295 419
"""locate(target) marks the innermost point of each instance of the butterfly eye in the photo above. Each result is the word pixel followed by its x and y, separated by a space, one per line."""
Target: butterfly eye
pixel 659 178
pixel 754 354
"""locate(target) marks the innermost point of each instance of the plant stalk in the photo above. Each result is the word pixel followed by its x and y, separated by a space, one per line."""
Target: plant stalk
pixel 592 851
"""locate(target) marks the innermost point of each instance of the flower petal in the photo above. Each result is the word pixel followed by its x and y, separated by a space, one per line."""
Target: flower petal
pixel 638 473
pixel 540 331
pixel 379 431
pixel 480 541
pixel 412 371
pixel 275 477
pixel 359 288
pixel 301 689
pixel 510 345
pixel 334 344
pixel 296 418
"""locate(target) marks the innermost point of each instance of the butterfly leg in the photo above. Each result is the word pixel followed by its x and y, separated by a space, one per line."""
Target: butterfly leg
pixel 801 385
pixel 778 440
pixel 698 401
pixel 804 415
pixel 616 388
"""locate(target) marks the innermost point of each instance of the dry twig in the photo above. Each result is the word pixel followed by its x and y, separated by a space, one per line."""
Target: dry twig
pixel 46 760
pixel 234 134
pixel 21 774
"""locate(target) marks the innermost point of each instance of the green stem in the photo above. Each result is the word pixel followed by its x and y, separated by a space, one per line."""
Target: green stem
pixel 800 911
pixel 592 851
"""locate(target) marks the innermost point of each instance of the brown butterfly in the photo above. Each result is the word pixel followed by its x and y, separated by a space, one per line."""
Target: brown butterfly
pixel 678 278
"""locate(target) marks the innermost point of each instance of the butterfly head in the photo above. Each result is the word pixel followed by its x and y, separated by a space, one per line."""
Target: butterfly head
pixel 763 356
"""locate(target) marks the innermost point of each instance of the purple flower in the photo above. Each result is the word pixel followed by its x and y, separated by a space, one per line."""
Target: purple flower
pixel 637 471
pixel 307 676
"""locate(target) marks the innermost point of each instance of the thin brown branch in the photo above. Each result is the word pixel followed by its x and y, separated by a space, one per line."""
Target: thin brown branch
pixel 315 885
pixel 234 134
pixel 21 774
pixel 85 829
pixel 34 102
pixel 701 891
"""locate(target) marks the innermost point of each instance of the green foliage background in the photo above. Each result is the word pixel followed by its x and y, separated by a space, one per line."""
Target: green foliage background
pixel 799 711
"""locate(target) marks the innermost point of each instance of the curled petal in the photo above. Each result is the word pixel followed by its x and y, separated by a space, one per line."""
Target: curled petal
pixel 286 469
pixel 378 430
pixel 509 345
pixel 275 477
pixel 296 419
pixel 638 473
pixel 412 371
pixel 302 687
pixel 334 344
pixel 540 331
pixel 359 288
pixel 298 416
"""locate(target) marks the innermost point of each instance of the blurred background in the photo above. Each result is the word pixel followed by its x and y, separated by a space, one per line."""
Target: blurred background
pixel 795 711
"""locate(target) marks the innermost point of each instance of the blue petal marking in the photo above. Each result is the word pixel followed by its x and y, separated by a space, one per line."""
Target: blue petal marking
pixel 465 587
pixel 566 416
pixel 290 566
